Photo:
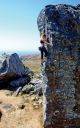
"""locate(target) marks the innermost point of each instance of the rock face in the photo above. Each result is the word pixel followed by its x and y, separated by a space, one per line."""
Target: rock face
pixel 12 70
pixel 62 70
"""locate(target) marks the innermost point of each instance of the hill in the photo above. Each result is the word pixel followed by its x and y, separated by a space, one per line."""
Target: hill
pixel 32 61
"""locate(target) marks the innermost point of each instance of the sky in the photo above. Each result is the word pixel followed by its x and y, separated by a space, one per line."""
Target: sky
pixel 18 23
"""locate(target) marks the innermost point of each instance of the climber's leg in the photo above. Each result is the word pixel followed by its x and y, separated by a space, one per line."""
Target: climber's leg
pixel 45 54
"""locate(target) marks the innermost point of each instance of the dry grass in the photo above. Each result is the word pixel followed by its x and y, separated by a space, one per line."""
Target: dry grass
pixel 33 63
pixel 14 117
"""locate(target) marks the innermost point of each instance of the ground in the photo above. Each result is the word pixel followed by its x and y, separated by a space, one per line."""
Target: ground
pixel 23 111
pixel 19 112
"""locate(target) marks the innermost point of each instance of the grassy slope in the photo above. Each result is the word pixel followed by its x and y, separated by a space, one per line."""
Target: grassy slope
pixel 33 62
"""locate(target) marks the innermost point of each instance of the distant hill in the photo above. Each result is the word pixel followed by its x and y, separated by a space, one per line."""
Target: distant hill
pixel 30 57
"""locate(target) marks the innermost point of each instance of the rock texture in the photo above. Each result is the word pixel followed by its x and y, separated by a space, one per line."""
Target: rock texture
pixel 62 70
pixel 12 71
pixel 35 86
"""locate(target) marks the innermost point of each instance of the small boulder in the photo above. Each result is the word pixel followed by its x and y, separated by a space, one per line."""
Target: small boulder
pixel 21 106
pixel 38 88
pixel 27 89
pixel 0 115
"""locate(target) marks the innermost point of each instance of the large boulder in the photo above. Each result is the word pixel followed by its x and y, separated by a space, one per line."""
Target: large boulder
pixel 61 73
pixel 12 70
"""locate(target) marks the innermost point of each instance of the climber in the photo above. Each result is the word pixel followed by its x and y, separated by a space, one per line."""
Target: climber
pixel 43 48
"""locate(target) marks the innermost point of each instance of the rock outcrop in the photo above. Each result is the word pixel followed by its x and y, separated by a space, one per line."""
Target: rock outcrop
pixel 62 70
pixel 12 71
pixel 35 86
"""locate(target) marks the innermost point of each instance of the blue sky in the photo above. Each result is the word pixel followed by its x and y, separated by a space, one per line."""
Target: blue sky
pixel 18 23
